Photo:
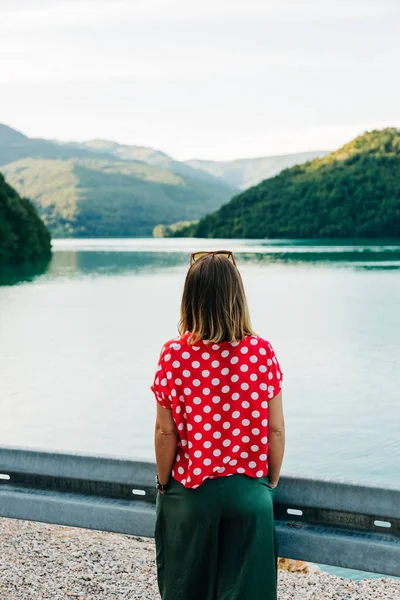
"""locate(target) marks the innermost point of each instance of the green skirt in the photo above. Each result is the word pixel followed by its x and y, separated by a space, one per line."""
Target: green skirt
pixel 217 541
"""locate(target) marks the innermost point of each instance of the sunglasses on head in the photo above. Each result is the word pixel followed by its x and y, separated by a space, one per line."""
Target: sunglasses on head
pixel 227 253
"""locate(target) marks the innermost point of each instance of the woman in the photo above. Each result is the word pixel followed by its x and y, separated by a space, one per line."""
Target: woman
pixel 219 444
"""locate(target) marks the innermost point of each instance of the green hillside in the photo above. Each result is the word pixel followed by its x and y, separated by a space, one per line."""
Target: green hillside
pixel 155 158
pixel 353 192
pixel 97 197
pixel 14 146
pixel 247 172
pixel 104 189
pixel 24 238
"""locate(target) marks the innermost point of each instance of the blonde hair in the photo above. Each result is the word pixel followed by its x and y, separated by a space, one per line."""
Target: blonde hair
pixel 214 305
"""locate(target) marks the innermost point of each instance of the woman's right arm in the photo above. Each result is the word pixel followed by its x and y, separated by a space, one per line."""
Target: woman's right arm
pixel 276 438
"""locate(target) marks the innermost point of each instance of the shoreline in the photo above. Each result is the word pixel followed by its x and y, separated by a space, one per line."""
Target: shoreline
pixel 40 561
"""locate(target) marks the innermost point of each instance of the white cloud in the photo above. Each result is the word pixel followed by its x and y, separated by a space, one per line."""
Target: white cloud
pixel 211 78
pixel 211 10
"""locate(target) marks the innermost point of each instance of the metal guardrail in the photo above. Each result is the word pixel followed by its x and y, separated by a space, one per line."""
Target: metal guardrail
pixel 333 522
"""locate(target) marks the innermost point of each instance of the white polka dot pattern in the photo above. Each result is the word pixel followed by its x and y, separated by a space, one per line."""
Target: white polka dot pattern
pixel 218 395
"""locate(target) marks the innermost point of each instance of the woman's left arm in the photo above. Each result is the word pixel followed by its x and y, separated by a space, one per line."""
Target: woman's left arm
pixel 165 442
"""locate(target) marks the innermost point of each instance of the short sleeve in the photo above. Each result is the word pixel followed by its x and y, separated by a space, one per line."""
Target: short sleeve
pixel 274 372
pixel 160 386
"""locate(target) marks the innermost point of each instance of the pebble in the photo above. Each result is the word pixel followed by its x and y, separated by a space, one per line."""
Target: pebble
pixel 39 561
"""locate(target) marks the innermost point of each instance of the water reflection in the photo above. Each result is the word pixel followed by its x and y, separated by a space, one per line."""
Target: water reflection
pixel 68 264
pixel 22 273
pixel 78 263
pixel 82 258
pixel 365 258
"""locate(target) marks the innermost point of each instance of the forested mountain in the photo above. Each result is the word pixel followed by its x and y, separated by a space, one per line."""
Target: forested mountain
pixel 247 172
pixel 24 239
pixel 111 198
pixel 101 189
pixel 353 192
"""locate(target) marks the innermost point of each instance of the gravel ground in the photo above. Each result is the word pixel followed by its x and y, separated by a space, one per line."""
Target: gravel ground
pixel 40 561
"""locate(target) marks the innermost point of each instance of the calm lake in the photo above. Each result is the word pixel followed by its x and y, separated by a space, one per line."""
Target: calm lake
pixel 79 347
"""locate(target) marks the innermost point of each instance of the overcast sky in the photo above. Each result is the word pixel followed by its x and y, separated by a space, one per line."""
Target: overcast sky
pixel 218 79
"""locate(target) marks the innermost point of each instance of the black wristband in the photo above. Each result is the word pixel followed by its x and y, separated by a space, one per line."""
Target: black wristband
pixel 161 486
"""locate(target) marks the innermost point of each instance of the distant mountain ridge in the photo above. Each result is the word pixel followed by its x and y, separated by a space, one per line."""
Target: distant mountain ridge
pixel 239 174
pixel 150 156
pixel 244 173
pixel 353 192
pixel 15 145
pixel 102 188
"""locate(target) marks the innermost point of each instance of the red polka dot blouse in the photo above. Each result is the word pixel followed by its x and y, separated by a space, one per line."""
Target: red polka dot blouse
pixel 219 395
